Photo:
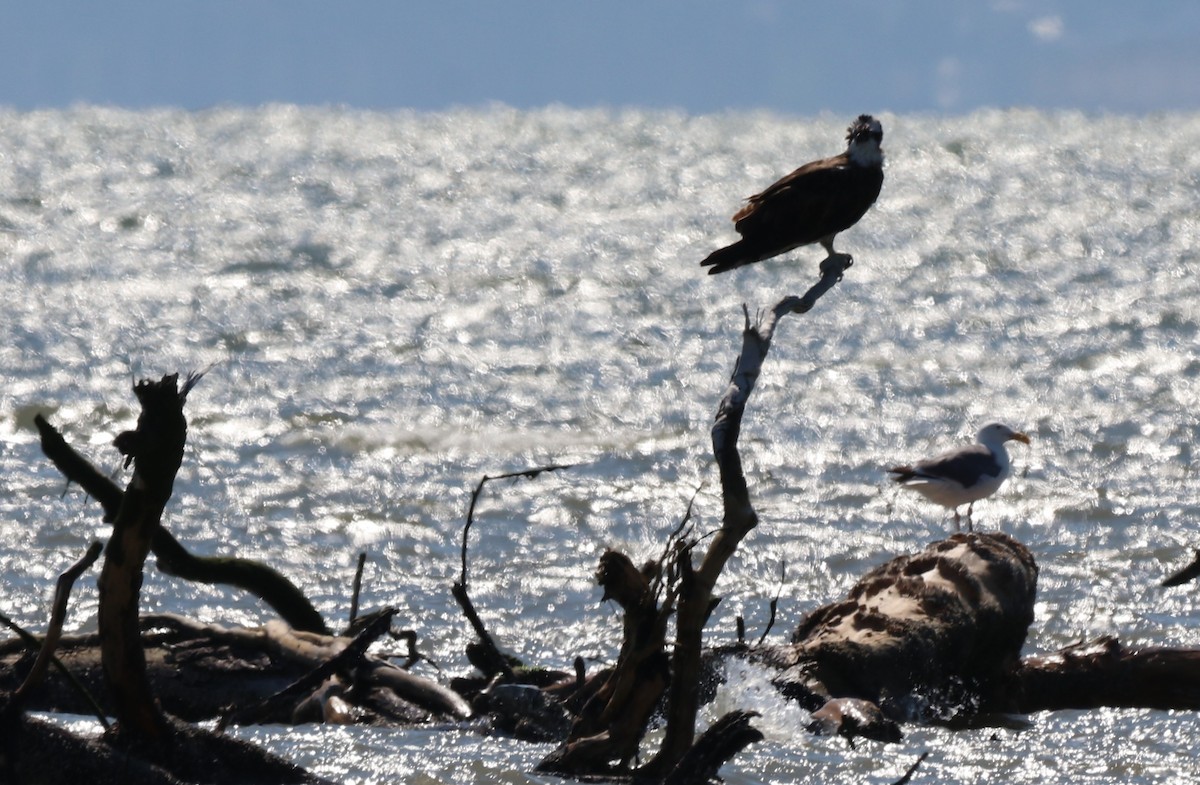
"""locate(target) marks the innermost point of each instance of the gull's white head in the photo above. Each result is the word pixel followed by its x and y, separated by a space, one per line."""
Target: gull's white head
pixel 996 434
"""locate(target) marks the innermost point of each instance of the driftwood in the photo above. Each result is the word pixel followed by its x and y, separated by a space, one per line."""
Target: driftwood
pixel 1105 673
pixel 606 733
pixel 257 578
pixel 346 666
pixel 204 671
pixel 609 724
pixel 717 745
pixel 923 636
pixel 937 636
pixel 697 602
pixel 146 741
pixel 156 450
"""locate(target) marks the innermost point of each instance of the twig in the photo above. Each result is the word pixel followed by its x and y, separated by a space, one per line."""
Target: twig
pixel 1188 573
pixel 193 378
pixel 46 656
pixel 358 573
pixel 491 652
pixel 675 540
pixel 528 474
pixel 912 769
pixel 413 656
pixel 774 603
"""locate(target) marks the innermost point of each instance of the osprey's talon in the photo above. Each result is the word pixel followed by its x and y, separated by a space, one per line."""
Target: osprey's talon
pixel 836 263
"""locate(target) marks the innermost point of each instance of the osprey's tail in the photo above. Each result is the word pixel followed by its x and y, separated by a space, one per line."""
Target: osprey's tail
pixel 730 257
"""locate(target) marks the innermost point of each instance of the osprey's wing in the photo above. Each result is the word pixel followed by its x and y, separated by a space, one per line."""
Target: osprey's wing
pixel 818 199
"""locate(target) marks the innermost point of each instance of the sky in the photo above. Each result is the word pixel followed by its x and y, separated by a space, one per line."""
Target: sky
pixel 791 56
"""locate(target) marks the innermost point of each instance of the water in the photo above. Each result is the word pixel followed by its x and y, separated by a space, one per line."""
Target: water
pixel 394 304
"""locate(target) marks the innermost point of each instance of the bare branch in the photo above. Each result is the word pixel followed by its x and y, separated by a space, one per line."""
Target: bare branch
pixel 358 573
pixel 490 653
pixel 58 615
pixel 1185 575
pixel 912 769
pixel 774 603
pixel 697 601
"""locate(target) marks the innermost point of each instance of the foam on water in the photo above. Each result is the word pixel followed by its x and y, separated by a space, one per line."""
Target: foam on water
pixel 397 303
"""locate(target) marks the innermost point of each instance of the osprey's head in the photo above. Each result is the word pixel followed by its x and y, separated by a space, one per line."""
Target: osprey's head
pixel 863 138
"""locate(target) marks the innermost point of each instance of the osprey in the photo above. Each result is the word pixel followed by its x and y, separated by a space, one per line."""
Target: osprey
pixel 963 476
pixel 810 205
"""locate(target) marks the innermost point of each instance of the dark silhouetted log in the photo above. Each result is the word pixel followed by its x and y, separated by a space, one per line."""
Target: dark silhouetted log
pixel 1105 673
pixel 197 671
pixel 51 755
pixel 257 578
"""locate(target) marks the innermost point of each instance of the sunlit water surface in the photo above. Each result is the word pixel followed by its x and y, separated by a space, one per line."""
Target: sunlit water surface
pixel 393 305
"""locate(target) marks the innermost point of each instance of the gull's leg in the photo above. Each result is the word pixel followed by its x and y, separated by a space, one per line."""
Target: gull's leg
pixel 957 521
pixel 970 521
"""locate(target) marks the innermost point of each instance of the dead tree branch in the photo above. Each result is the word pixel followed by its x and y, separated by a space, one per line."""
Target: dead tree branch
pixel 488 656
pixel 697 600
pixel 608 729
pixel 58 615
pixel 357 589
pixel 724 738
pixel 254 577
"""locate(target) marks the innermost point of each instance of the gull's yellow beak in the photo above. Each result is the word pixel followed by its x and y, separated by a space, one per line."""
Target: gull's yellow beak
pixel 1020 437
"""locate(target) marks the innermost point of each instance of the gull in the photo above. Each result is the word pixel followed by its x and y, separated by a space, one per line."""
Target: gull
pixel 965 475
pixel 810 205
